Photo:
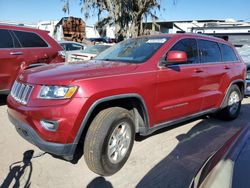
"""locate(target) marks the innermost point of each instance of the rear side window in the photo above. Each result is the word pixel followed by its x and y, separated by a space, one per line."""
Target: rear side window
pixel 209 51
pixel 190 47
pixel 71 46
pixel 6 40
pixel 30 40
pixel 74 47
pixel 228 53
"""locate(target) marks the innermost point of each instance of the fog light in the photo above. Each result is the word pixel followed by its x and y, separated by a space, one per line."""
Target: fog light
pixel 49 125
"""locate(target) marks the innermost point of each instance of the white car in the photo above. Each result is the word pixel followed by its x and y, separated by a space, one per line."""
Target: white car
pixel 70 46
pixel 88 53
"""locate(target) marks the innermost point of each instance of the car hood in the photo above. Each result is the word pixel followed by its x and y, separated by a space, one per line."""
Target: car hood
pixel 65 73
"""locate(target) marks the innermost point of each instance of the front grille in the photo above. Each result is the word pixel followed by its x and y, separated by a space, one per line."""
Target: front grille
pixel 21 92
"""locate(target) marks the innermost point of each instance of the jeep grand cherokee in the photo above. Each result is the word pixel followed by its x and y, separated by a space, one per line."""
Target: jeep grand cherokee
pixel 137 86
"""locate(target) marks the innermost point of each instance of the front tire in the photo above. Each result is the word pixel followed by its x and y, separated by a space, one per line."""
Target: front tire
pixel 109 141
pixel 233 104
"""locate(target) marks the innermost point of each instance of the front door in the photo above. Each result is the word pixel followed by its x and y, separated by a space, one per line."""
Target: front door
pixel 179 86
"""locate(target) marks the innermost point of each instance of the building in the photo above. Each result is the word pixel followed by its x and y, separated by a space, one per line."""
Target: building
pixel 238 32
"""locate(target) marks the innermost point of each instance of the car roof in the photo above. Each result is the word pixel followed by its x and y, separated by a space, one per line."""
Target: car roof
pixel 192 35
pixel 65 41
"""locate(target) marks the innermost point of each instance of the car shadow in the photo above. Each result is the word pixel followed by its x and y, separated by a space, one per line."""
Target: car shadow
pixel 140 138
pixel 179 167
pixel 99 182
pixel 3 100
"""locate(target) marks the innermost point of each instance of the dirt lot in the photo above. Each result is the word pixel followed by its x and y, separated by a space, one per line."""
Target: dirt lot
pixel 166 159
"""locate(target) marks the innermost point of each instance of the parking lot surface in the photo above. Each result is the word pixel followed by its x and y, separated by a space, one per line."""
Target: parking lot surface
pixel 168 158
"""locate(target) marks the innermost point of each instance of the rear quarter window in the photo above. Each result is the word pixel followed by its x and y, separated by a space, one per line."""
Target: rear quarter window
pixel 30 40
pixel 6 39
pixel 209 51
pixel 228 53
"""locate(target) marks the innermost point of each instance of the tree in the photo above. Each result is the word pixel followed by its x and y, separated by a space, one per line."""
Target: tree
pixel 125 15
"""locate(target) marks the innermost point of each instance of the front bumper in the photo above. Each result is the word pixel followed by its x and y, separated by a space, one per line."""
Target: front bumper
pixel 26 131
pixel 247 90
pixel 66 115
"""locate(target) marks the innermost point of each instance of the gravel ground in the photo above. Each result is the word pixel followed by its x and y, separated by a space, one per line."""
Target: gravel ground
pixel 169 158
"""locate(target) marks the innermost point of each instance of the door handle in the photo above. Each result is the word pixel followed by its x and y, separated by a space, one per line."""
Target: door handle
pixel 198 70
pixel 16 53
pixel 226 67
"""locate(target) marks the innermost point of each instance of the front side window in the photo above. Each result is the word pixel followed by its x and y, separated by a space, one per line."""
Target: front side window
pixel 136 50
pixel 209 51
pixel 6 39
pixel 30 40
pixel 228 53
pixel 190 47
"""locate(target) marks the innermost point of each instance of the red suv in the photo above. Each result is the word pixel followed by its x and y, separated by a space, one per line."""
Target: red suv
pixel 22 48
pixel 137 86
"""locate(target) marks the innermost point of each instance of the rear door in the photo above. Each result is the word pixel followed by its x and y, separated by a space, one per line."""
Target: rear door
pixel 217 70
pixel 33 44
pixel 11 58
pixel 179 86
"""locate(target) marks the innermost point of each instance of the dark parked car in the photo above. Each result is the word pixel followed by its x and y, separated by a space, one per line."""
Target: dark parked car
pixel 98 40
pixel 22 48
pixel 137 86
pixel 229 167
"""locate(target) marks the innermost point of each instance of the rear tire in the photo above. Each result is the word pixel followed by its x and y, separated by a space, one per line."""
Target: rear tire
pixel 109 141
pixel 233 104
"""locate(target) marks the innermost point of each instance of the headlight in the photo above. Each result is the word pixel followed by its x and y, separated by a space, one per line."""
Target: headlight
pixel 57 92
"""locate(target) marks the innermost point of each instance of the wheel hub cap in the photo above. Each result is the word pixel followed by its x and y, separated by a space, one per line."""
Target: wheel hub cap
pixel 119 142
pixel 233 102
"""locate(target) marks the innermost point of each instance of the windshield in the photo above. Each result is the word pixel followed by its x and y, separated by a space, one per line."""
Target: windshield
pixel 136 50
pixel 95 49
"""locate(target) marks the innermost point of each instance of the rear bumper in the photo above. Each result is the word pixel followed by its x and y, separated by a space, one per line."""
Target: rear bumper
pixel 26 131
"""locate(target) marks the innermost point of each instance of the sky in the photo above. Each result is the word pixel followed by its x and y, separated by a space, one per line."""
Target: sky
pixel 33 11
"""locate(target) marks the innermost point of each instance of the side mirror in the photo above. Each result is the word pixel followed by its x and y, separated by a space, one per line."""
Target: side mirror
pixel 176 57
